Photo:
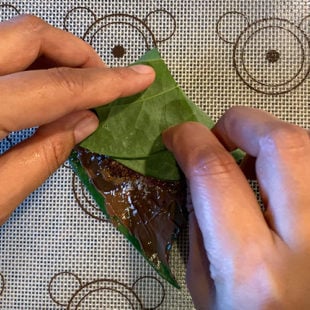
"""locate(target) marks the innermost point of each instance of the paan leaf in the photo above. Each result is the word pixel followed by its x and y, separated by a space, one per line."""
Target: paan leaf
pixel 148 206
pixel 130 128
pixel 149 212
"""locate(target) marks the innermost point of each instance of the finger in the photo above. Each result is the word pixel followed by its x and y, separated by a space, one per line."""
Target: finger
pixel 26 38
pixel 282 167
pixel 247 164
pixel 199 282
pixel 228 214
pixel 25 167
pixel 34 98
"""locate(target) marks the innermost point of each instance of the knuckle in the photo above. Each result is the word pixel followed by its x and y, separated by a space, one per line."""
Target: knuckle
pixel 256 276
pixel 63 78
pixel 273 288
pixel 53 152
pixel 286 138
pixel 31 23
pixel 118 76
pixel 205 162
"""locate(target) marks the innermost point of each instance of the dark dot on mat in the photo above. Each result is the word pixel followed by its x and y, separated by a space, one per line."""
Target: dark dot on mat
pixel 118 51
pixel 273 56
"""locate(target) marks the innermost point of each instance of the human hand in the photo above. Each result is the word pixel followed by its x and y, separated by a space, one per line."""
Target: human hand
pixel 240 257
pixel 50 78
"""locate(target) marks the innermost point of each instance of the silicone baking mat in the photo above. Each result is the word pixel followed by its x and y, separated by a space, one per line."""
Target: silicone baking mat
pixel 57 251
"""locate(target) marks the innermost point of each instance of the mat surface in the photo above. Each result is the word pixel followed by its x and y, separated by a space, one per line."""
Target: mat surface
pixel 57 251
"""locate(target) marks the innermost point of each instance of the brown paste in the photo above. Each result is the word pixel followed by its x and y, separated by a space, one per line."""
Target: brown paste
pixel 151 209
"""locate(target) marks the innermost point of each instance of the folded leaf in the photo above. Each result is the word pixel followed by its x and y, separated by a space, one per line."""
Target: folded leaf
pixel 150 166
pixel 132 176
pixel 148 211
pixel 130 128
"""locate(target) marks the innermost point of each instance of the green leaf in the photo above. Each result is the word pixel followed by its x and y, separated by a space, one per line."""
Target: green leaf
pixel 130 128
pixel 155 165
pixel 130 133
pixel 161 266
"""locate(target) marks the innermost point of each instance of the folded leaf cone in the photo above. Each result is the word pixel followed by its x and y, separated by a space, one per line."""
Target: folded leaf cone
pixel 132 176
pixel 148 211
pixel 130 128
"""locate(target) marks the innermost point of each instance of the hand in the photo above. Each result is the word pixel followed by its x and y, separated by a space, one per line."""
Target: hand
pixel 49 78
pixel 240 257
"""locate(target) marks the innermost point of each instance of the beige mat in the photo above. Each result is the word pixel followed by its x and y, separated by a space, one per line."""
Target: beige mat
pixel 57 252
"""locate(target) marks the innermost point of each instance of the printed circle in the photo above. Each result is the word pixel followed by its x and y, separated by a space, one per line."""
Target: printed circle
pixel 118 30
pixel 106 294
pixel 272 56
pixel 162 23
pixel 2 284
pixel 272 63
pixel 8 11
pixel 74 17
pixel 85 201
pixel 152 284
pixel 63 286
pixel 305 25
pixel 231 25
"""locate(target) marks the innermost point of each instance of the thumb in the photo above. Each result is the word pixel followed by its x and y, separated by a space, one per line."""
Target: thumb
pixel 26 166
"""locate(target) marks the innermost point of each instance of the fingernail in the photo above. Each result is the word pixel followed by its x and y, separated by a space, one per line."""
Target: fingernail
pixel 142 69
pixel 85 127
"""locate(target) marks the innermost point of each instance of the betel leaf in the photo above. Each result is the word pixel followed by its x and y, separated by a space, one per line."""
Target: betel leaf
pixel 149 166
pixel 148 211
pixel 130 133
pixel 130 128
